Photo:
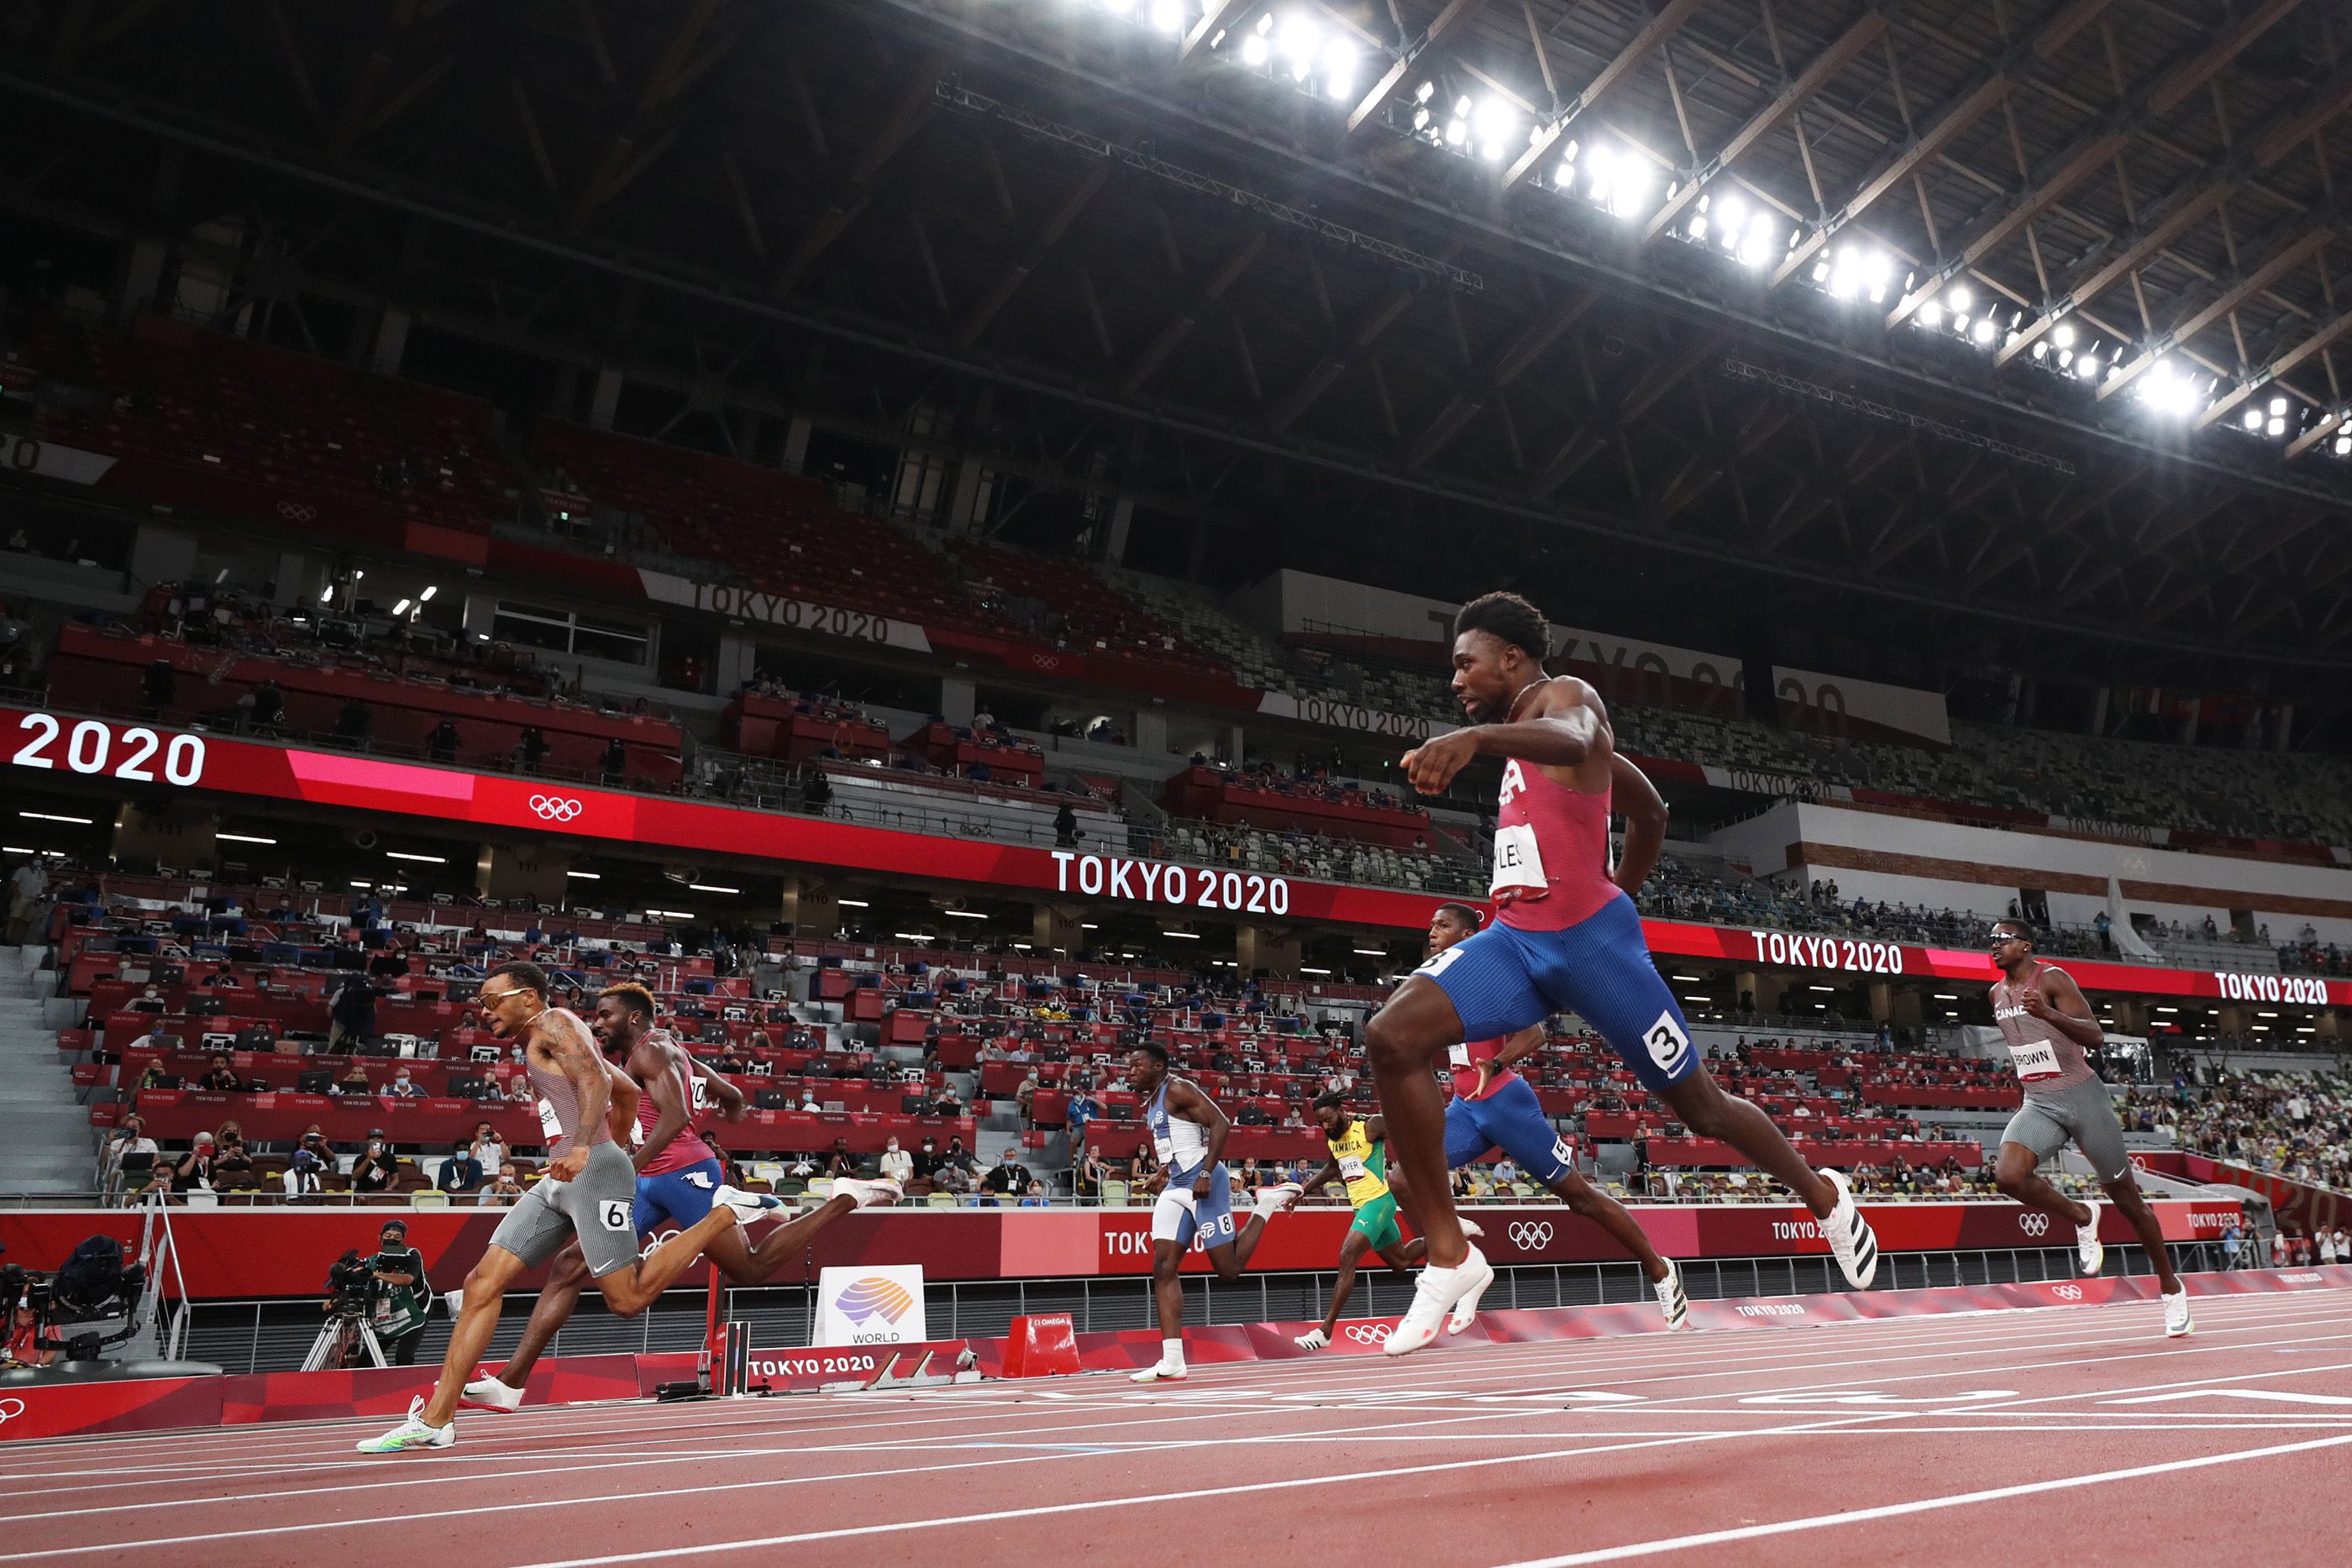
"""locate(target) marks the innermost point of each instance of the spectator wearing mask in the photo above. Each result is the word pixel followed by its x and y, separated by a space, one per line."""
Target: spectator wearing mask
pixel 376 1168
pixel 897 1164
pixel 460 1173
pixel 405 1087
pixel 229 1156
pixel 1035 1196
pixel 1008 1178
pixel 1025 1096
pixel 842 1162
pixel 505 1189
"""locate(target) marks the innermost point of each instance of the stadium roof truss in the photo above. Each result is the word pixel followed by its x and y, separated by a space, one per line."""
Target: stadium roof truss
pixel 2017 316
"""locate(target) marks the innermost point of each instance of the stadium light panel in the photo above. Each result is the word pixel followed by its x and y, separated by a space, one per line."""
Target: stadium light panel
pixel 1168 17
pixel 2278 405
pixel 2344 446
pixel 421 859
pixel 243 839
pixel 401 608
pixel 2064 337
pixel 2252 419
pixel 584 876
pixel 54 816
pixel 2088 366
pixel 1424 92
pixel 851 903
pixel 711 887
pixel 1310 969
pixel 1253 49
pixel 430 590
pixel 964 913
pixel 2276 427
pixel 1984 331
pixel 1959 295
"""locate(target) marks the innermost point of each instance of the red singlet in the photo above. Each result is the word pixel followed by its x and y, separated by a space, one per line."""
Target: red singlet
pixel 687 1148
pixel 1464 1059
pixel 1551 851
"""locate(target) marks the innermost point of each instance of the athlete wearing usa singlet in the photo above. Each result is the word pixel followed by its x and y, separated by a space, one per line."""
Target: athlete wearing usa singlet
pixel 1565 938
pixel 677 1182
pixel 2064 1096
pixel 1502 1114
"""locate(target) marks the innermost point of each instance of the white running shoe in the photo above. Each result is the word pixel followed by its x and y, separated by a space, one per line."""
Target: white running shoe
pixel 1273 1200
pixel 1852 1241
pixel 1159 1373
pixel 413 1433
pixel 747 1206
pixel 1471 1228
pixel 868 1193
pixel 2089 1250
pixel 1671 1300
pixel 489 1394
pixel 1436 1293
pixel 1313 1339
pixel 2178 1324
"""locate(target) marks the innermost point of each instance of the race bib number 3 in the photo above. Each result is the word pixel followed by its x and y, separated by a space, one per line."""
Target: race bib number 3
pixel 2035 1059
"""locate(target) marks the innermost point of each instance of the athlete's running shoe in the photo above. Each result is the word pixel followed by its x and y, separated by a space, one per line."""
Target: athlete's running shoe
pixel 413 1433
pixel 868 1193
pixel 2089 1250
pixel 1313 1339
pixel 2178 1324
pixel 747 1206
pixel 1444 1298
pixel 1273 1200
pixel 1159 1372
pixel 489 1394
pixel 1852 1241
pixel 1471 1228
pixel 1671 1300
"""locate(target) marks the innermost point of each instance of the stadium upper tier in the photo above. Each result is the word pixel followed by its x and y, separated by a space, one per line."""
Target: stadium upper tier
pixel 235 428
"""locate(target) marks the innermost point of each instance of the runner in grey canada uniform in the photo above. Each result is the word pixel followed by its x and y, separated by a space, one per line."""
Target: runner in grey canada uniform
pixel 2048 1027
pixel 2064 1097
pixel 598 1204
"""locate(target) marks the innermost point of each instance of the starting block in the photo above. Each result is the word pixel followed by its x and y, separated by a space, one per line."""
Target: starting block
pixel 1041 1346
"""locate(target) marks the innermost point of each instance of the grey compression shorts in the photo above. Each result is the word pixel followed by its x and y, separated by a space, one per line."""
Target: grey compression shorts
pixel 598 1205
pixel 2084 1113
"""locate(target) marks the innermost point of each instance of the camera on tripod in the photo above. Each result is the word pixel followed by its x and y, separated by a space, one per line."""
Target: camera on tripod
pixel 350 1285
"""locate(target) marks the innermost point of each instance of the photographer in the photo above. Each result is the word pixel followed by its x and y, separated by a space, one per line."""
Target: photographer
pixel 375 1169
pixel 404 1297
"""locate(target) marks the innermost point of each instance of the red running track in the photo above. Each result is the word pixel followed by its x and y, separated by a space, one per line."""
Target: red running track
pixel 2077 1433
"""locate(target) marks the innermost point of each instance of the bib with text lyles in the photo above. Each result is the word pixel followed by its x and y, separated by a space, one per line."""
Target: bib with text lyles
pixel 1518 867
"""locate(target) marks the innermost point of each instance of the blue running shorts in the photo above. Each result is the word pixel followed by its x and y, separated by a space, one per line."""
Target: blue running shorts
pixel 681 1197
pixel 1503 978
pixel 1510 1119
pixel 1179 1217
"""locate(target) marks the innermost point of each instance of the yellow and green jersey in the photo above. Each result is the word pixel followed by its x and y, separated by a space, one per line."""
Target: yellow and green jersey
pixel 1363 1164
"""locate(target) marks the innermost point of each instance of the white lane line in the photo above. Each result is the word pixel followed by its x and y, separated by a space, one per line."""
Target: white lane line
pixel 1901 1510
pixel 1095 1505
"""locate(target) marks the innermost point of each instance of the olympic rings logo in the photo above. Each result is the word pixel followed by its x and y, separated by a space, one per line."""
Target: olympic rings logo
pixel 1529 1235
pixel 296 512
pixel 10 1410
pixel 2033 1224
pixel 2067 1292
pixel 555 808
pixel 1368 1334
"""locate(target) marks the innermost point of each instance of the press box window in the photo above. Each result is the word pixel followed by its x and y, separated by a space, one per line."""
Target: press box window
pixel 565 631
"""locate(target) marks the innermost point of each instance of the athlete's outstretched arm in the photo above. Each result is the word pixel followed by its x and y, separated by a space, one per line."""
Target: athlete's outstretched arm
pixel 1323 1177
pixel 732 1103
pixel 574 1054
pixel 1632 794
pixel 1564 726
